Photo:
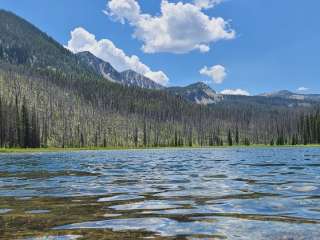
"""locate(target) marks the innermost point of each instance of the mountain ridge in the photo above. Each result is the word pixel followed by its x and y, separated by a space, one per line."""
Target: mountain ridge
pixel 199 92
pixel 128 77
pixel 286 94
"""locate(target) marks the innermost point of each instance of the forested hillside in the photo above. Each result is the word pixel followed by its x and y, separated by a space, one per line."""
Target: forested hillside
pixel 49 97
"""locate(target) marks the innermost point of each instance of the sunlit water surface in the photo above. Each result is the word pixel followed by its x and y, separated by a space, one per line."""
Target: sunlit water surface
pixel 249 193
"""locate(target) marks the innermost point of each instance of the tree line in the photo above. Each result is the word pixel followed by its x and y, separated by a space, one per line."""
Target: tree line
pixel 43 108
pixel 18 125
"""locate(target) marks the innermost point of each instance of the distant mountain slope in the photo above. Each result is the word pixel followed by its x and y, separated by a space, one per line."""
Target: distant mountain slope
pixel 285 94
pixel 128 78
pixel 199 93
pixel 99 66
pixel 23 44
pixel 263 102
pixel 132 78
pixel 282 93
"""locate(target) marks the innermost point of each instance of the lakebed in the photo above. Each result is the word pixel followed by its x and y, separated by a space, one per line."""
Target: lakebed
pixel 221 193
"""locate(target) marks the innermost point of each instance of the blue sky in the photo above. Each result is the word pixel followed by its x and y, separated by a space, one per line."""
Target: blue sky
pixel 276 45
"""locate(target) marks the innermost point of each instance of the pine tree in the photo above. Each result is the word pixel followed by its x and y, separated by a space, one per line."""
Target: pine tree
pixel 237 136
pixel 35 135
pixel 1 124
pixel 135 137
pixel 81 140
pixel 272 142
pixel 25 126
pixel 246 141
pixel 230 141
pixel 190 140
pixel 175 138
pixel 145 141
pixel 19 125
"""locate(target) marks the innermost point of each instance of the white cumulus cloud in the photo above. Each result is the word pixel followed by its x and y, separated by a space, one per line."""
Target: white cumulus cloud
pixel 217 73
pixel 180 27
pixel 235 92
pixel 302 89
pixel 81 40
pixel 206 4
pixel 123 10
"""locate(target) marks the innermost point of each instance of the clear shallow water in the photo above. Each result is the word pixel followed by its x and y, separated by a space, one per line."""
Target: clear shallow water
pixel 188 193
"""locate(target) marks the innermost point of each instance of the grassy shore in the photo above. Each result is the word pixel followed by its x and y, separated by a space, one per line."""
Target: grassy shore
pixel 55 149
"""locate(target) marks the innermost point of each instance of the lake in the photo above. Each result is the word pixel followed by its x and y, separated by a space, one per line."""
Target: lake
pixel 223 193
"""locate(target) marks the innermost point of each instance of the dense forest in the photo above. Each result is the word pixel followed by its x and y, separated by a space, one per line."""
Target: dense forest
pixel 48 97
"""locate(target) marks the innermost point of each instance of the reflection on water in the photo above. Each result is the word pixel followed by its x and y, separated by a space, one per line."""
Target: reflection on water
pixel 119 198
pixel 3 211
pixel 164 226
pixel 37 211
pixel 66 237
pixel 188 193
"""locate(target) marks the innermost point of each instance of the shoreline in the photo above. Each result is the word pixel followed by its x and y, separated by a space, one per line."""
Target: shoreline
pixel 57 149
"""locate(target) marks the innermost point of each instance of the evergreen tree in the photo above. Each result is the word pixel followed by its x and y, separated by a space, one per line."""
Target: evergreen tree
pixel 26 140
pixel 230 141
pixel 246 141
pixel 237 136
pixel 272 142
pixel 145 141
pixel 1 124
pixel 136 137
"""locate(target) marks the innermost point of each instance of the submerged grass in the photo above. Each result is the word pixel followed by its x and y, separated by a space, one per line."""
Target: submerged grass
pixel 27 220
pixel 23 221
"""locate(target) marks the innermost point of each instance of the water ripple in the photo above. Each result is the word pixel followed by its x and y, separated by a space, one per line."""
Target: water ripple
pixel 267 193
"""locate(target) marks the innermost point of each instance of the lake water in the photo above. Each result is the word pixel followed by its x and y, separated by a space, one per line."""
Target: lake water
pixel 249 193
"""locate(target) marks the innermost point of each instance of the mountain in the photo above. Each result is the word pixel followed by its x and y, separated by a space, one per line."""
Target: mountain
pixel 128 78
pixel 99 66
pixel 202 94
pixel 264 102
pixel 21 43
pixel 132 78
pixel 285 94
pixel 199 93
pixel 282 94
